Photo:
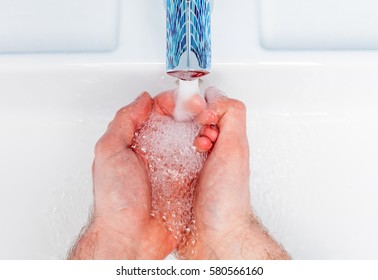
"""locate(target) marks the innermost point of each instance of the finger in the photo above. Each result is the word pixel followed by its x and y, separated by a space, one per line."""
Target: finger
pixel 207 117
pixel 206 139
pixel 167 103
pixel 216 100
pixel 164 103
pixel 122 129
pixel 195 104
pixel 232 117
pixel 203 144
pixel 211 133
pixel 210 116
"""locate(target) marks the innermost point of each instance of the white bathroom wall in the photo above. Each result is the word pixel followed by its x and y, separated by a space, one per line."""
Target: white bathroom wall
pixel 58 26
pixel 311 127
pixel 319 24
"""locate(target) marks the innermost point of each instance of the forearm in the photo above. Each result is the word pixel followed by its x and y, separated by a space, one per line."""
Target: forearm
pixel 256 243
pixel 249 242
pixel 96 244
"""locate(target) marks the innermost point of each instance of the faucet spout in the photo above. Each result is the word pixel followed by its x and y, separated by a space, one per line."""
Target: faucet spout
pixel 188 38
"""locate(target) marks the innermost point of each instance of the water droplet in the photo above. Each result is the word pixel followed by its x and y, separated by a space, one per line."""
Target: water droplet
pixel 193 242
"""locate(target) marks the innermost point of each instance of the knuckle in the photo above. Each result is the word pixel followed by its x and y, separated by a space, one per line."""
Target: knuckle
pixel 121 112
pixel 237 105
pixel 98 148
pixel 102 146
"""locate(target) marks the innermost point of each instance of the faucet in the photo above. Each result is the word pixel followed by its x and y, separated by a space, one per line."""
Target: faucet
pixel 188 55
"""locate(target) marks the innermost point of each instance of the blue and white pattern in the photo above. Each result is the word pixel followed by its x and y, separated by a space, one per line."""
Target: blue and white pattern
pixel 188 30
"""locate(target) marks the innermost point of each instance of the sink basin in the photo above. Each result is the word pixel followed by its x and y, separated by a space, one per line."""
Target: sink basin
pixel 311 126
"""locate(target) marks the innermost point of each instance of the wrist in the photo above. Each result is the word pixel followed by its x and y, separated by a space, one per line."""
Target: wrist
pixel 249 242
pixel 246 240
pixel 100 243
pixel 225 242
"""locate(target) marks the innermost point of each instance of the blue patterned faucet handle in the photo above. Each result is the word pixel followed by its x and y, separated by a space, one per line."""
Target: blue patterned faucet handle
pixel 188 38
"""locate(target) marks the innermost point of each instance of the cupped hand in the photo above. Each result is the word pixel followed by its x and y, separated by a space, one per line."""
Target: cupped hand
pixel 121 226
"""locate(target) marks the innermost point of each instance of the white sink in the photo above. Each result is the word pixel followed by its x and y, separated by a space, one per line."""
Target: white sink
pixel 311 120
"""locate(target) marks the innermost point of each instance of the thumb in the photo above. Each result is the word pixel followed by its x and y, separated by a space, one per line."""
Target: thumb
pixel 127 120
pixel 232 118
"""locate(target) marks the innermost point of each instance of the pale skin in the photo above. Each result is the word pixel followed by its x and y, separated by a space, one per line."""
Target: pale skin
pixel 121 226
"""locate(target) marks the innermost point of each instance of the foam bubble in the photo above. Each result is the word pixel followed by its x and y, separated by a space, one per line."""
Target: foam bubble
pixel 174 166
pixel 213 95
